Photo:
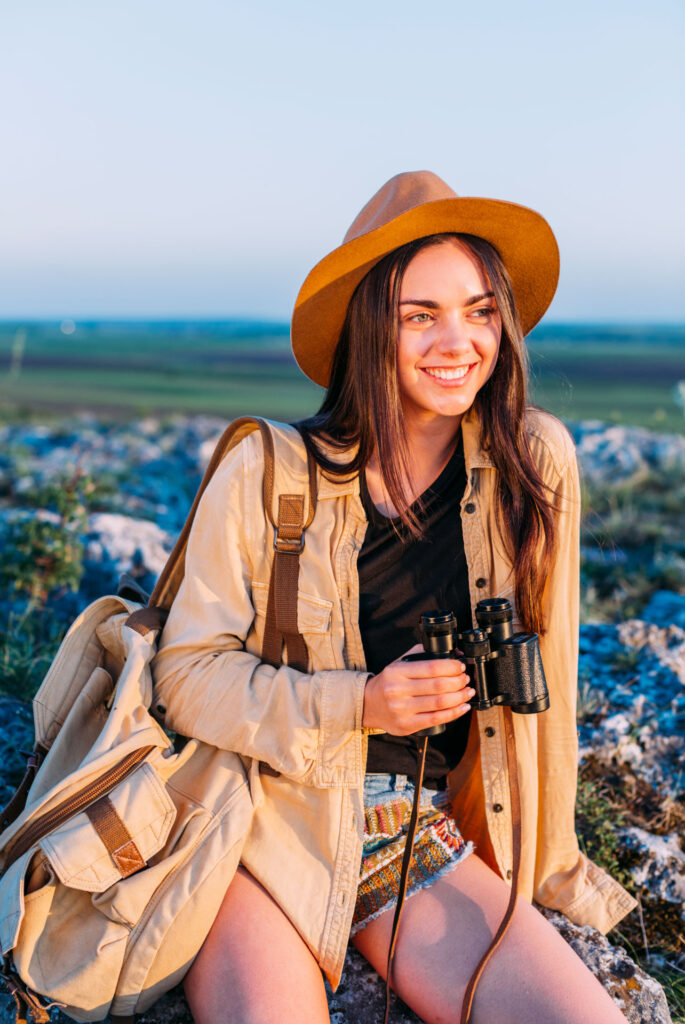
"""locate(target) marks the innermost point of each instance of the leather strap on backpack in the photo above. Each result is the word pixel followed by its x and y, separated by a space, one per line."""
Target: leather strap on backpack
pixel 281 627
pixel 16 805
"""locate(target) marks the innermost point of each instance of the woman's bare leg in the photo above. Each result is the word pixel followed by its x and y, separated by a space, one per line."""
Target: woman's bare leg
pixel 253 967
pixel 534 976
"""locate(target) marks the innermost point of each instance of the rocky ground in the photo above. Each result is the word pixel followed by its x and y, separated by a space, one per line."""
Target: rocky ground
pixel 143 476
pixel 360 997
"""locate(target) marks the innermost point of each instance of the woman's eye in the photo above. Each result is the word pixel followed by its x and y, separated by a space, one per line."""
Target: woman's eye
pixel 420 318
pixel 484 312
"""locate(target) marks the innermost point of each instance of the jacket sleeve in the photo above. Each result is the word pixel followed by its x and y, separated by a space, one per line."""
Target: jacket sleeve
pixel 304 725
pixel 564 878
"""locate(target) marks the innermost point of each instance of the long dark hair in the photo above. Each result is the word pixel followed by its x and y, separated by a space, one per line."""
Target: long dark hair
pixel 362 412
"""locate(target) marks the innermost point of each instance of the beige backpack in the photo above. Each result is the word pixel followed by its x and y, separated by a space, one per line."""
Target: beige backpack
pixel 120 843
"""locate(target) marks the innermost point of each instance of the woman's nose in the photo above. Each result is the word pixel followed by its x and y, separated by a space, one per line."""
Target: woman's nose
pixel 453 336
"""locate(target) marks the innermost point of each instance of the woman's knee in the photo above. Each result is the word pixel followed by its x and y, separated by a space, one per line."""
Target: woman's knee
pixel 533 975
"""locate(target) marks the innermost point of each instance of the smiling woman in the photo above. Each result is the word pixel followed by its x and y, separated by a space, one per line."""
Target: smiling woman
pixel 438 486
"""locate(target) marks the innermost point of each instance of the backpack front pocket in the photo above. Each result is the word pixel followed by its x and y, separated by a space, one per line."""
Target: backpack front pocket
pixel 63 944
pixel 85 851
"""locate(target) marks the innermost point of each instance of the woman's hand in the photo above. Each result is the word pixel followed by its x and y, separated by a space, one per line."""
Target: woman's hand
pixel 411 695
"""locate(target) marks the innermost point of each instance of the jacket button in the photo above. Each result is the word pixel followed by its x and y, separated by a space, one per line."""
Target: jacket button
pixel 481 582
pixel 470 508
pixel 489 731
pixel 497 808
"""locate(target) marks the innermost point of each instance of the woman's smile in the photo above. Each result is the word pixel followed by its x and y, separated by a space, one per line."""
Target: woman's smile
pixel 449 375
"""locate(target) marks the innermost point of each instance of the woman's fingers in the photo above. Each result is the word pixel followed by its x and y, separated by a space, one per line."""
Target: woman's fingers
pixel 451 701
pixel 425 668
pixel 429 719
pixel 406 694
pixel 410 713
pixel 440 667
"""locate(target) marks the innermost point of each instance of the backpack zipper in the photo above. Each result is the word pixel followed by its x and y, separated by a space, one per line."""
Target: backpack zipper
pixel 51 820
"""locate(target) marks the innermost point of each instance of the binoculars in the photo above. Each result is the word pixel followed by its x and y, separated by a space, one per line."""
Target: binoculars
pixel 504 667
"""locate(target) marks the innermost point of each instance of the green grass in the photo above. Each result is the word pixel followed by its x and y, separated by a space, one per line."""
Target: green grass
pixel 623 375
pixel 277 392
pixel 629 382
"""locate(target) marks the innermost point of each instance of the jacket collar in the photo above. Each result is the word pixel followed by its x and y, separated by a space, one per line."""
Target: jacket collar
pixel 475 456
pixel 338 487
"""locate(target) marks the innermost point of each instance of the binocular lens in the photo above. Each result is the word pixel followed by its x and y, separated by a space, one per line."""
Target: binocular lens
pixel 493 610
pixel 438 621
pixel 438 630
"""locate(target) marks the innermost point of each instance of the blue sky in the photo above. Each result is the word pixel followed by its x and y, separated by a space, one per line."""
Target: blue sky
pixel 167 159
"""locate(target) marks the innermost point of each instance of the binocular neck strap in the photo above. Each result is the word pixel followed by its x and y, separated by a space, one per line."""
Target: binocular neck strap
pixel 515 796
pixel 406 861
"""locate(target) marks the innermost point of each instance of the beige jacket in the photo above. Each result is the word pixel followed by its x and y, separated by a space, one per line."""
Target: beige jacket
pixel 305 840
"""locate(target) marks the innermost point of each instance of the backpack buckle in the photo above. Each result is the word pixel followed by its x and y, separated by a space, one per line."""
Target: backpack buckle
pixel 289 545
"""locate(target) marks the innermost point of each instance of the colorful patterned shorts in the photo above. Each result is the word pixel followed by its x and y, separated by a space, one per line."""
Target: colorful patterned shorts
pixel 438 847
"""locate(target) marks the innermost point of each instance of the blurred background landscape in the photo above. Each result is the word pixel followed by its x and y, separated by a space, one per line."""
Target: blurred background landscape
pixel 628 374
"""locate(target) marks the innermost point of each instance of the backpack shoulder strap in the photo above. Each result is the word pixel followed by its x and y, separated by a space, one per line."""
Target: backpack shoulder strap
pixel 281 626
pixel 286 462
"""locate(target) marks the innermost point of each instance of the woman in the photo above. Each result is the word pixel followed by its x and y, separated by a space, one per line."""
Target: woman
pixel 436 488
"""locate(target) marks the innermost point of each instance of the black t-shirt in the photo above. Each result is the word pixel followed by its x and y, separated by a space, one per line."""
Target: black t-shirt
pixel 399 579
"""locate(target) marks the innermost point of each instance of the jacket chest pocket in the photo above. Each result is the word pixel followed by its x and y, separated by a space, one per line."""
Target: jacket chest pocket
pixel 313 620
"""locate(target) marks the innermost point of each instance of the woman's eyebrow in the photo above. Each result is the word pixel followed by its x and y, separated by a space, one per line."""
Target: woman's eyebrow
pixel 431 304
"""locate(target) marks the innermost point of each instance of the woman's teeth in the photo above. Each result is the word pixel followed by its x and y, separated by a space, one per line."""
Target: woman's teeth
pixel 454 373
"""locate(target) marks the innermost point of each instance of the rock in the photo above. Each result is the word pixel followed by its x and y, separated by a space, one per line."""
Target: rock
pixel 151 467
pixel 665 642
pixel 659 702
pixel 640 997
pixel 116 544
pixel 665 608
pixel 632 699
pixel 360 997
pixel 625 455
pixel 661 869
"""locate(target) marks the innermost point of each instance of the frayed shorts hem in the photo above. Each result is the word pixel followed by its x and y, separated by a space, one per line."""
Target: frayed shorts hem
pixel 438 845
pixel 425 884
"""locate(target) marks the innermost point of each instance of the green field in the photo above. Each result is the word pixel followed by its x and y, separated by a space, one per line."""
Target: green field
pixel 618 374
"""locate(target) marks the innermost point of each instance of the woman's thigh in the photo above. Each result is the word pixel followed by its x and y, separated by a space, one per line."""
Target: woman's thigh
pixel 534 975
pixel 253 967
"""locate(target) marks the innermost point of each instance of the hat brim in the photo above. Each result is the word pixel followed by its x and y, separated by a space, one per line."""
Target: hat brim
pixel 522 237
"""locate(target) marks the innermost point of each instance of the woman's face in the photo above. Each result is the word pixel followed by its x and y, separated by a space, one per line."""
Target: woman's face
pixel 449 333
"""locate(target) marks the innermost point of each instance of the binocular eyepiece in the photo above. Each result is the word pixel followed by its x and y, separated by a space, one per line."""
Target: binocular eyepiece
pixel 504 667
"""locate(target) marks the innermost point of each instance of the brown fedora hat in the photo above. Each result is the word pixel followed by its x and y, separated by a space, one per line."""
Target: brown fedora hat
pixel 410 206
